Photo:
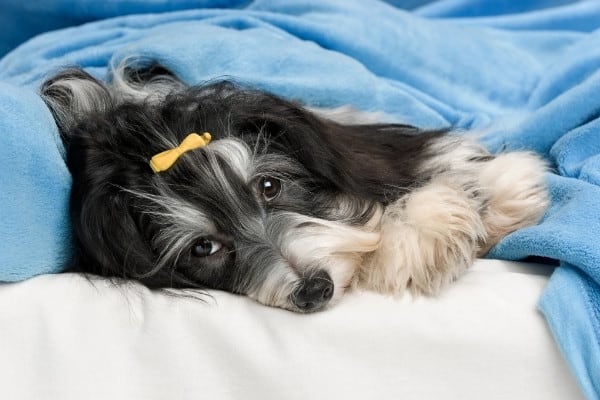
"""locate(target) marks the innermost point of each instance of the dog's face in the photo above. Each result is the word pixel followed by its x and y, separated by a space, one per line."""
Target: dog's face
pixel 246 218
pixel 280 206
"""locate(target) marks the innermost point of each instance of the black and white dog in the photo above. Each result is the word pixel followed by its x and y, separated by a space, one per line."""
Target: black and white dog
pixel 287 205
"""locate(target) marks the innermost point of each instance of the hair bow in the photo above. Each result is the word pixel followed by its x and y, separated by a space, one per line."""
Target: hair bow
pixel 165 160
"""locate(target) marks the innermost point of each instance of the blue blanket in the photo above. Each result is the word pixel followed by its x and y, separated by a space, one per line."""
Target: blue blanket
pixel 527 74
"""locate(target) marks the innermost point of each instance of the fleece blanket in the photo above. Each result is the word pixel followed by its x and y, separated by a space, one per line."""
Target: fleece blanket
pixel 525 74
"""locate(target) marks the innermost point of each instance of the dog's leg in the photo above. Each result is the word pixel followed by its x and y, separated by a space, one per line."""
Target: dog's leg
pixel 428 238
pixel 516 194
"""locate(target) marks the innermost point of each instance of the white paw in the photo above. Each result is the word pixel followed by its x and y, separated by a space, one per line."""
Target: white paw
pixel 429 238
pixel 516 191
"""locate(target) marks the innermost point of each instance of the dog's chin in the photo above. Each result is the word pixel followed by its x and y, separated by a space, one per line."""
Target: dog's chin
pixel 290 304
pixel 317 289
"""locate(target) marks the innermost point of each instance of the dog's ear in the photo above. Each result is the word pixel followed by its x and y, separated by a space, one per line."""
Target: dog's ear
pixel 111 231
pixel 113 237
pixel 73 94
pixel 376 161
pixel 108 241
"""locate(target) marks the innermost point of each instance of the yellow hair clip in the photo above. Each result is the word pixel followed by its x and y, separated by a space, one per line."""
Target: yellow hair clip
pixel 165 160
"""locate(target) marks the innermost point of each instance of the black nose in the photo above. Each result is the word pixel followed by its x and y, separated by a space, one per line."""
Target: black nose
pixel 314 292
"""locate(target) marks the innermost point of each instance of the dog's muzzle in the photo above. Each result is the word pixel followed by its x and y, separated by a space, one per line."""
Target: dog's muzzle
pixel 314 292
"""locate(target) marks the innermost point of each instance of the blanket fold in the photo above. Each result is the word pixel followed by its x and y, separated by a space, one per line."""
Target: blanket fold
pixel 524 74
pixel 34 183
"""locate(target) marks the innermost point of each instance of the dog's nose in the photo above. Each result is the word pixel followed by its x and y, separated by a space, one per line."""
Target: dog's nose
pixel 314 292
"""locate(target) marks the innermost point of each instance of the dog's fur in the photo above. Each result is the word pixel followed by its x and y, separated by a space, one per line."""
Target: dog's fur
pixel 287 205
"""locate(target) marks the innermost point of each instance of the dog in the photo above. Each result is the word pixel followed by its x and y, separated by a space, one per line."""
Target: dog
pixel 264 197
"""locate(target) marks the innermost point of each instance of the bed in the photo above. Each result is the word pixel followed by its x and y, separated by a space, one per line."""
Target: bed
pixel 65 337
pixel 523 323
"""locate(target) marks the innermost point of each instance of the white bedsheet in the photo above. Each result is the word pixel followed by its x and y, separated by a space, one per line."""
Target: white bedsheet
pixel 63 337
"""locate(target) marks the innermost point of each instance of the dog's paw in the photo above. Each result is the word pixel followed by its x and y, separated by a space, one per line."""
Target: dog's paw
pixel 428 239
pixel 516 194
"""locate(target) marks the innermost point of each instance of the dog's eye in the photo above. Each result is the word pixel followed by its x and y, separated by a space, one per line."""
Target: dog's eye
pixel 205 247
pixel 269 188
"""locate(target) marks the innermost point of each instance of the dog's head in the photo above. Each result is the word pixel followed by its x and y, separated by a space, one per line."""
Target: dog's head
pixel 281 205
